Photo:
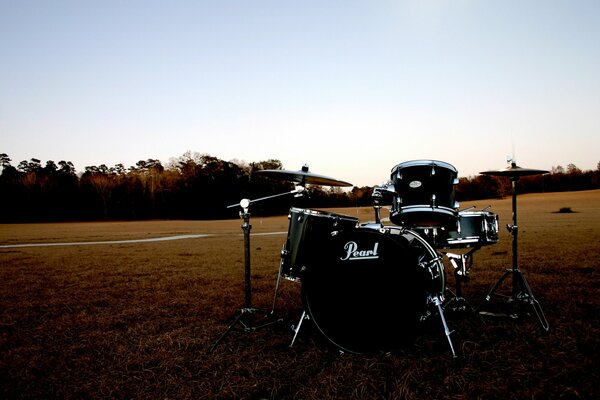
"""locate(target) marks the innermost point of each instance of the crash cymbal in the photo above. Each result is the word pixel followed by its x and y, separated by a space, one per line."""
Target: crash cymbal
pixel 302 177
pixel 514 171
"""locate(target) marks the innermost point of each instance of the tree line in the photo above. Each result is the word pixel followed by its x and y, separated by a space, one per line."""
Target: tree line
pixel 559 179
pixel 201 186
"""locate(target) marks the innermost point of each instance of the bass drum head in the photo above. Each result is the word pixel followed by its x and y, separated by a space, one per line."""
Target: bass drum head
pixel 368 292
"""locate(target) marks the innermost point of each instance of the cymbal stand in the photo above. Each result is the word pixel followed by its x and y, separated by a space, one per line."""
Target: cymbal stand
pixel 521 293
pixel 244 318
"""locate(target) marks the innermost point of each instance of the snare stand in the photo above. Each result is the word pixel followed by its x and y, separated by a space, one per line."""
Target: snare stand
pixel 521 292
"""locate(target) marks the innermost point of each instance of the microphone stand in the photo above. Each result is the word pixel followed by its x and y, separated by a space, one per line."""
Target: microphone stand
pixel 245 316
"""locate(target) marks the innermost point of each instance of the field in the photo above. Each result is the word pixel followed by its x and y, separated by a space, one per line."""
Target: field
pixel 136 319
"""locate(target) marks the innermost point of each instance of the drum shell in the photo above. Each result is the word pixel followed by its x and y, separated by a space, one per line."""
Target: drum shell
pixel 474 228
pixel 370 289
pixel 437 237
pixel 424 193
pixel 306 232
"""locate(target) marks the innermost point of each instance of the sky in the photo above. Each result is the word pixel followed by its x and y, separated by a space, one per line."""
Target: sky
pixel 351 88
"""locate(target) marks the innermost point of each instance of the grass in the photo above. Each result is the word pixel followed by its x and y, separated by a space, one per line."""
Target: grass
pixel 136 320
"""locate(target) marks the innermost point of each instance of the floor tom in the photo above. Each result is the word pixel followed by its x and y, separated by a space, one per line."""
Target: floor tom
pixel 306 231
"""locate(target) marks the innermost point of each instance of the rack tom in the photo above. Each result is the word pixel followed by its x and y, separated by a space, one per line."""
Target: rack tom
pixel 424 194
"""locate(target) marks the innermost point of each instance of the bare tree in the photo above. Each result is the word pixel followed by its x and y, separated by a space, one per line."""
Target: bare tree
pixel 572 169
pixel 102 181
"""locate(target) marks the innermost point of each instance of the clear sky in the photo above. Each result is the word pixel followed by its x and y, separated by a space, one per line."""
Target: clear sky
pixel 350 87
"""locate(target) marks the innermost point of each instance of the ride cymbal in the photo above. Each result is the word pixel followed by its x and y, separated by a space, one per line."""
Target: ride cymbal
pixel 514 171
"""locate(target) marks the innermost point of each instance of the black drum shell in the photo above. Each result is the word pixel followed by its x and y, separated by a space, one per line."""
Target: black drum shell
pixel 371 299
pixel 307 228
pixel 424 193
pixel 437 237
pixel 474 229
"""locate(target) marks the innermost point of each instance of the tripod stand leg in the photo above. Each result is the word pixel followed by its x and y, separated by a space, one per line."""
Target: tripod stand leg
pixel 529 298
pixel 521 293
pixel 246 318
pixel 236 321
pixel 496 286
pixel 277 287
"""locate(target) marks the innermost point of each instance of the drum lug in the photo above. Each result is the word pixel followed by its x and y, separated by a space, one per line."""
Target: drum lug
pixel 425 316
pixel 429 266
pixel 435 300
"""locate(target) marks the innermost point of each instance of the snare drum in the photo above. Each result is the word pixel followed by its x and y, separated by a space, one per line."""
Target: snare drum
pixel 424 193
pixel 306 232
pixel 474 228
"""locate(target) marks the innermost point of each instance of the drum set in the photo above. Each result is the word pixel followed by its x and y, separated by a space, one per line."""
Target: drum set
pixel 370 287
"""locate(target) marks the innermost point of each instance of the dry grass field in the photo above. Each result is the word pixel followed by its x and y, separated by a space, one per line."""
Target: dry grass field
pixel 136 319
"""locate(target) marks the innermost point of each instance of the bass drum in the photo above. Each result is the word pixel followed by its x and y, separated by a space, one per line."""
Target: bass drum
pixel 370 288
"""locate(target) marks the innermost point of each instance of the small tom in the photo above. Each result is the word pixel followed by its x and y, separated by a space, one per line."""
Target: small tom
pixel 306 232
pixel 474 228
